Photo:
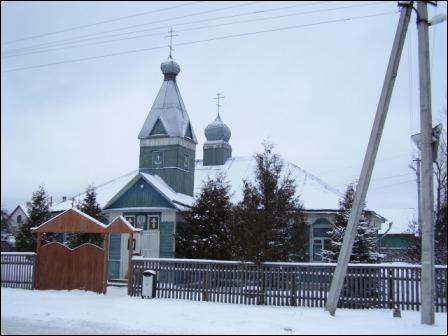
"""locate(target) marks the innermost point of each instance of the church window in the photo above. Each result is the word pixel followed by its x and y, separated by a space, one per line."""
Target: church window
pixel 157 159
pixel 153 223
pixel 141 221
pixel 130 219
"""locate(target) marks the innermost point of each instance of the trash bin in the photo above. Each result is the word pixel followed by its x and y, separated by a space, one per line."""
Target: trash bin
pixel 149 284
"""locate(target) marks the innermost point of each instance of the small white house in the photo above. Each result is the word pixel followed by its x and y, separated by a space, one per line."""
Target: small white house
pixel 18 217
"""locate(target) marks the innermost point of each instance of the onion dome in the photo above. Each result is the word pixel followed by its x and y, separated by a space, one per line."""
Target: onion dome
pixel 170 69
pixel 217 130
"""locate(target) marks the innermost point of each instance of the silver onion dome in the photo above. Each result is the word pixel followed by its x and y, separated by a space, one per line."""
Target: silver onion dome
pixel 217 130
pixel 170 68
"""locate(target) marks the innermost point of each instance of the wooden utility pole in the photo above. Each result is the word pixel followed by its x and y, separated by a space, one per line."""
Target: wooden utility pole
pixel 427 184
pixel 369 160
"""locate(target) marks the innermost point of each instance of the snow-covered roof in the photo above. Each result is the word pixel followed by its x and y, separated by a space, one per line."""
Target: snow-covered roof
pixel 169 108
pixel 109 191
pixel 104 192
pixel 314 193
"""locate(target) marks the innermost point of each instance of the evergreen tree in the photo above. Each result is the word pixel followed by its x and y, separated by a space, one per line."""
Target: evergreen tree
pixel 414 252
pixel 206 232
pixel 269 223
pixel 5 227
pixel 38 213
pixel 365 248
pixel 90 207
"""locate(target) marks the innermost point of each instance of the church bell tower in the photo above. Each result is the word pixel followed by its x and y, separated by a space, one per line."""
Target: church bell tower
pixel 167 139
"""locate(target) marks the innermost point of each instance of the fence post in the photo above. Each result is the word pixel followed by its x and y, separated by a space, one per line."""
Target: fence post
pixel 206 282
pixel 391 288
pixel 293 289
pixel 33 280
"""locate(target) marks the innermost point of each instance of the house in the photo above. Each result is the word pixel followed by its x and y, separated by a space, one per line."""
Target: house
pixel 396 246
pixel 155 197
pixel 18 217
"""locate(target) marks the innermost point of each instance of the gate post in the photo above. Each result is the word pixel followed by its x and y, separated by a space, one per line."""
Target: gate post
pixel 106 257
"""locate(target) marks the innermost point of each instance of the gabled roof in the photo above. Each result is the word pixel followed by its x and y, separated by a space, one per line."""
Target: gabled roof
pixel 72 220
pixel 169 108
pixel 121 225
pixel 177 200
pixel 21 207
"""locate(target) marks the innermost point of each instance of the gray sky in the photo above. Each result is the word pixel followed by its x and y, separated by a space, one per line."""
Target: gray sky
pixel 312 90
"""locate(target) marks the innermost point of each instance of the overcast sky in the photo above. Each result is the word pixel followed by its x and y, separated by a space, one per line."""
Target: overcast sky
pixel 312 90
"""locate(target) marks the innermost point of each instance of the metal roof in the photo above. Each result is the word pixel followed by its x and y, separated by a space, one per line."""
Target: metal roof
pixel 169 108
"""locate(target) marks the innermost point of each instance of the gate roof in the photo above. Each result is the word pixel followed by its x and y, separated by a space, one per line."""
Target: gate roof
pixel 121 225
pixel 72 220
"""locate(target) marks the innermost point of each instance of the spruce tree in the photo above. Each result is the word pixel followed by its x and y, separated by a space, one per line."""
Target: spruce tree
pixel 5 227
pixel 89 206
pixel 38 213
pixel 269 223
pixel 206 234
pixel 365 245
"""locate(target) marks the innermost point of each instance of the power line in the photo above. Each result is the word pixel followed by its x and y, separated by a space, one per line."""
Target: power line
pixel 194 28
pixel 392 185
pixel 164 20
pixel 200 41
pixel 77 39
pixel 99 23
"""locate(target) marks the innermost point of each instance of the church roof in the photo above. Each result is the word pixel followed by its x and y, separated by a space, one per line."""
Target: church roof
pixel 314 193
pixel 168 111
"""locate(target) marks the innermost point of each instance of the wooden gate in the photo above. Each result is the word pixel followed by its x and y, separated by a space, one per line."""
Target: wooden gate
pixel 63 268
pixel 59 267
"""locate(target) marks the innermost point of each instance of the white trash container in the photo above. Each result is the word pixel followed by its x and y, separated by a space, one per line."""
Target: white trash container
pixel 149 284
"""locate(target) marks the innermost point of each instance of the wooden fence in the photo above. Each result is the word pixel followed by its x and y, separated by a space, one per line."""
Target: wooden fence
pixel 18 269
pixel 288 284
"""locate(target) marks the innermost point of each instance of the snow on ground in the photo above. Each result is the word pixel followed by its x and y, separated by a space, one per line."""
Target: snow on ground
pixel 79 312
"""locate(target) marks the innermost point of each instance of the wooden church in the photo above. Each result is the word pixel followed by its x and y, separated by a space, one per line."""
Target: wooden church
pixel 155 197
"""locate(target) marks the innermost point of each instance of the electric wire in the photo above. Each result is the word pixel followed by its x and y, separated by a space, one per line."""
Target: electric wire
pixel 188 29
pixel 199 41
pixel 98 23
pixel 81 39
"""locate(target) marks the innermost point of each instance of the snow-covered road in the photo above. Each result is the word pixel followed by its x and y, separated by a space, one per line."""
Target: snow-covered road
pixel 80 312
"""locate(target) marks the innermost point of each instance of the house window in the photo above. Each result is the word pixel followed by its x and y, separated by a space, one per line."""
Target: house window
pixel 153 223
pixel 141 221
pixel 320 244
pixel 19 219
pixel 130 219
pixel 157 159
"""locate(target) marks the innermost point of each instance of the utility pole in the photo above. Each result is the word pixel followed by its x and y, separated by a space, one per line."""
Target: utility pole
pixel 369 159
pixel 428 281
pixel 417 172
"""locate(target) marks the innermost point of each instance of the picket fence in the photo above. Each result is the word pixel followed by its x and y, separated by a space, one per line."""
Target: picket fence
pixel 18 269
pixel 288 284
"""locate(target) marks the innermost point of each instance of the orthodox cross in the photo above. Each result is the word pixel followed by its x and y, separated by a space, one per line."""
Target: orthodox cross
pixel 153 223
pixel 171 31
pixel 218 97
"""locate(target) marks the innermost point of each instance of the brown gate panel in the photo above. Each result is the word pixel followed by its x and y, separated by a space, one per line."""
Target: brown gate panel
pixel 60 267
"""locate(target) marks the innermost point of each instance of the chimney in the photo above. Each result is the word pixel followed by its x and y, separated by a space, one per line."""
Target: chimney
pixel 64 198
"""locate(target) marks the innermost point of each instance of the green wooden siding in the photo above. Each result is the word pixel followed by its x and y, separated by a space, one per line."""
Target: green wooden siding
pixel 167 239
pixel 174 171
pixel 113 269
pixel 136 196
pixel 216 156
pixel 395 241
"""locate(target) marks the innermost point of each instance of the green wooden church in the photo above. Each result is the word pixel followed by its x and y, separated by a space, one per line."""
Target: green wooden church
pixel 155 197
